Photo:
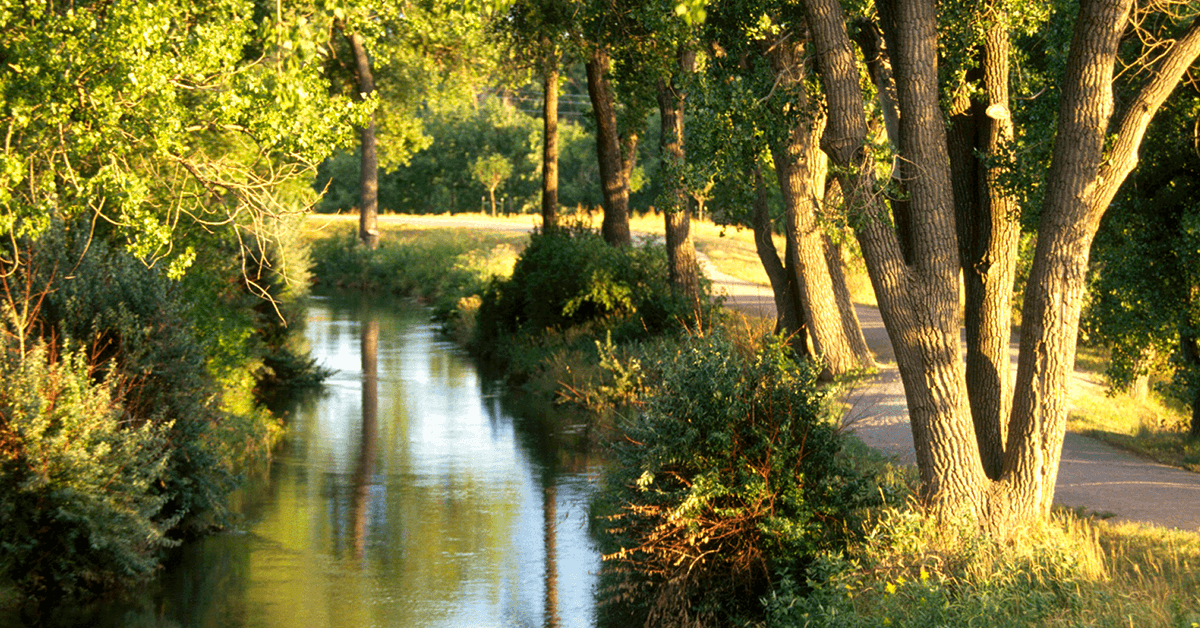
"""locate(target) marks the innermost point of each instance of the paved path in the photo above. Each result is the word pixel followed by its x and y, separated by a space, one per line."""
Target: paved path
pixel 1093 474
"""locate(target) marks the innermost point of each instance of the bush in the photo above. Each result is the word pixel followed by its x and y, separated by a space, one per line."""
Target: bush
pixel 133 440
pixel 134 326
pixel 80 504
pixel 729 474
pixel 571 277
pixel 440 266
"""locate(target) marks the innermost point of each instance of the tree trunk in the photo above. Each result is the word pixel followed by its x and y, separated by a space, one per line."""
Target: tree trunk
pixel 614 169
pixel 682 267
pixel 788 319
pixel 988 235
pixel 800 168
pixel 368 182
pixel 917 299
pixel 550 145
pixel 851 326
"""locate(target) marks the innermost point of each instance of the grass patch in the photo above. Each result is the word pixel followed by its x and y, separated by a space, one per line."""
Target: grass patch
pixel 429 263
pixel 1066 572
pixel 1152 427
pixel 1155 427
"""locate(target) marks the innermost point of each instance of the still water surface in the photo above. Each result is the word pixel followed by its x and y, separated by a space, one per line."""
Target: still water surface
pixel 409 494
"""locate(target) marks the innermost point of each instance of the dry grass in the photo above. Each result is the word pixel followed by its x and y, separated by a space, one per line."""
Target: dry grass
pixel 1154 427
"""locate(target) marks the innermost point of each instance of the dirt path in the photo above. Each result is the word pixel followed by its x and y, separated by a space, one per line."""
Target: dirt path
pixel 1093 474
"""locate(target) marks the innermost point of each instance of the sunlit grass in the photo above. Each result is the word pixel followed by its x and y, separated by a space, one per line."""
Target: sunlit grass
pixel 1154 426
pixel 916 571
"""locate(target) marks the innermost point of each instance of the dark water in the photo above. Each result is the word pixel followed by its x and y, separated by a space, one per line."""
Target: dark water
pixel 407 495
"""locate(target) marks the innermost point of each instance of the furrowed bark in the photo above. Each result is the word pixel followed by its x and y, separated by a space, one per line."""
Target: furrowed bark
pixel 614 170
pixel 550 145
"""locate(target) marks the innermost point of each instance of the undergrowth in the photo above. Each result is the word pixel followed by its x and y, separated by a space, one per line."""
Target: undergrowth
pixel 912 571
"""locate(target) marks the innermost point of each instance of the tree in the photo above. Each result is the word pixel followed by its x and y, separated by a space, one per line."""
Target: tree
pixel 368 200
pixel 758 104
pixel 615 151
pixel 163 115
pixel 1145 278
pixel 537 31
pixel 492 171
pixel 682 265
pixel 416 48
pixel 914 273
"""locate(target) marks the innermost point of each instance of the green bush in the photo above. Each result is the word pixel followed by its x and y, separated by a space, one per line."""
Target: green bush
pixel 134 326
pixel 133 440
pixel 80 504
pixel 571 277
pixel 439 266
pixel 730 473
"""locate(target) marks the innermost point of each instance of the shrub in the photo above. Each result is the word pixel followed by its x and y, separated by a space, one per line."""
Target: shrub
pixel 80 507
pixel 134 327
pixel 730 472
pixel 571 277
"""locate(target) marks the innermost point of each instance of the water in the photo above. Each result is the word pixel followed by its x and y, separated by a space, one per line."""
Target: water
pixel 407 495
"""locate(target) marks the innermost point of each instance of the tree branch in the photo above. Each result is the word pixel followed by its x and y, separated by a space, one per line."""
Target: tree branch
pixel 1132 128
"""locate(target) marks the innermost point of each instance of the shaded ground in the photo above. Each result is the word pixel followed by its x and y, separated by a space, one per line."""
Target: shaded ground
pixel 1093 475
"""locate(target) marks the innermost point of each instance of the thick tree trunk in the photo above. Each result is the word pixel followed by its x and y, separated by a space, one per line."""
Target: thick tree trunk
pixel 917 299
pixel 614 168
pixel 550 145
pixel 682 267
pixel 988 235
pixel 368 182
pixel 800 169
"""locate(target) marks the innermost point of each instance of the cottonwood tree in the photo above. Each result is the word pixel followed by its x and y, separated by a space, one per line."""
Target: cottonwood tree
pixel 415 47
pixel 144 118
pixel 538 33
pixel 915 270
pixel 758 102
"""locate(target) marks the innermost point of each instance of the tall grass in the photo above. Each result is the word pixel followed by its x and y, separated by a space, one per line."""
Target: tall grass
pixel 1155 427
pixel 1065 572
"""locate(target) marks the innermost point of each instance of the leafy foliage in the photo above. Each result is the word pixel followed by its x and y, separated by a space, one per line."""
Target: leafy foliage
pixel 131 440
pixel 145 115
pixel 438 177
pixel 80 504
pixel 571 277
pixel 1146 270
pixel 730 473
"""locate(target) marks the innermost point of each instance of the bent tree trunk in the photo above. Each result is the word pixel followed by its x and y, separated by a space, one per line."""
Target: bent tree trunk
pixel 682 267
pixel 800 168
pixel 789 319
pixel 615 157
pixel 368 182
pixel 918 297
pixel 550 144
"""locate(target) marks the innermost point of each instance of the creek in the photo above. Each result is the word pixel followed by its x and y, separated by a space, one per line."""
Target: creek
pixel 411 492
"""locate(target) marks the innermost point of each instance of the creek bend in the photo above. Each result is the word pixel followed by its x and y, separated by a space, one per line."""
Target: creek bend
pixel 409 493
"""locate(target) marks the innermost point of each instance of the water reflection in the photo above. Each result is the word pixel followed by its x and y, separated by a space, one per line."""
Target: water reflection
pixel 406 496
